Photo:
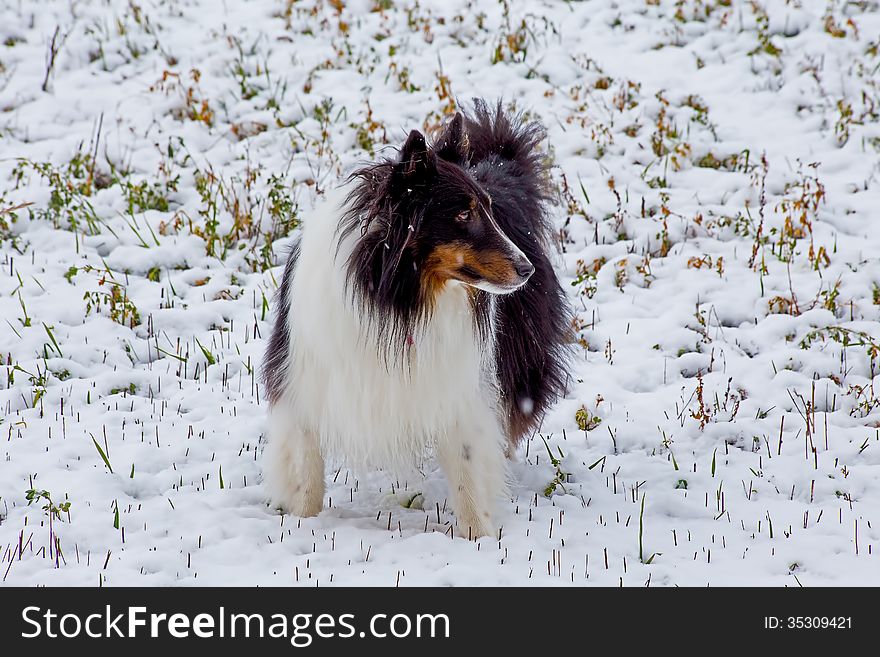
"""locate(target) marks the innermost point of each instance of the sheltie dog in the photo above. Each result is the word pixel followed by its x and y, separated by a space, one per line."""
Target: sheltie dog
pixel 419 313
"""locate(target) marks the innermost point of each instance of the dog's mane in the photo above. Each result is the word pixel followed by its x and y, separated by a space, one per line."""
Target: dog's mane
pixel 382 276
pixel 389 298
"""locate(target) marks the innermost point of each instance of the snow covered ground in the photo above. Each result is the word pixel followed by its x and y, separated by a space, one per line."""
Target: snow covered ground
pixel 717 162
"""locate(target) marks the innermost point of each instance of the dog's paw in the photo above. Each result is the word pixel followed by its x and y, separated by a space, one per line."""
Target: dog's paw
pixel 306 508
pixel 298 501
pixel 473 527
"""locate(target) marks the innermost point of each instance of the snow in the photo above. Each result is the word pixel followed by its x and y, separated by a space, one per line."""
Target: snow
pixel 716 397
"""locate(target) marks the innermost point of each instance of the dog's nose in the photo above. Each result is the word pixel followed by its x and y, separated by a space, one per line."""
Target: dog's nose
pixel 525 269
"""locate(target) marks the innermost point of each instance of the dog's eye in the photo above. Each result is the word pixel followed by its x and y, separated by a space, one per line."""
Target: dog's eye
pixel 463 217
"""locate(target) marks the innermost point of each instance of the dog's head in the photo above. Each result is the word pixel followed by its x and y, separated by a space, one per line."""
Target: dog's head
pixel 453 233
pixel 424 222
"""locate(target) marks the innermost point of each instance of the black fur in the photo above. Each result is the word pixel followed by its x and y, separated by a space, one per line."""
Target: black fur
pixel 275 360
pixel 404 209
pixel 532 323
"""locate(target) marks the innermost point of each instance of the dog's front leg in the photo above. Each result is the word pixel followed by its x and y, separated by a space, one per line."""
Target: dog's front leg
pixel 293 467
pixel 472 457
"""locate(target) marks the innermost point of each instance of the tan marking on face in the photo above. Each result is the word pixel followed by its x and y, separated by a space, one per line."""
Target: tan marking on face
pixel 447 261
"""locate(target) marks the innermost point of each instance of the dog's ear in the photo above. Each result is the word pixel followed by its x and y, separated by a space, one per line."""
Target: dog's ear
pixel 416 159
pixel 453 143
